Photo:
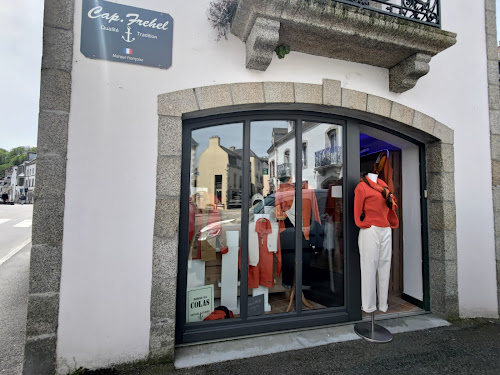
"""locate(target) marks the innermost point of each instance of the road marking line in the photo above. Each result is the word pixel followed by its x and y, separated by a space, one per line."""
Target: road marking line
pixel 4 220
pixel 24 224
pixel 14 252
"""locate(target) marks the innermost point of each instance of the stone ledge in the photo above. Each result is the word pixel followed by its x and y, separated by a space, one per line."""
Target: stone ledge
pixel 339 31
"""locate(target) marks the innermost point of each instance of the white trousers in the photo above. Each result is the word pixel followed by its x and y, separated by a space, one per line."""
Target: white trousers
pixel 375 253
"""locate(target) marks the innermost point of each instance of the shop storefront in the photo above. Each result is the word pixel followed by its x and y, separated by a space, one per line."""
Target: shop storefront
pixel 271 268
pixel 237 170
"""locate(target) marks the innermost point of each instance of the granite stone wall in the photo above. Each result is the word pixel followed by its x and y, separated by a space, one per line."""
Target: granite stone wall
pixel 48 210
pixel 494 100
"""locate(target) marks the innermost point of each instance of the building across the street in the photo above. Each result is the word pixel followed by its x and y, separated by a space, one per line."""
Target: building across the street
pixel 241 221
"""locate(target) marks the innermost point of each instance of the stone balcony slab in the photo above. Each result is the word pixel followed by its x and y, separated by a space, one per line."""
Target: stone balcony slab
pixel 340 31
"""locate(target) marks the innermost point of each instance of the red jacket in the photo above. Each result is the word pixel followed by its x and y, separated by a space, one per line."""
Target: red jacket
pixel 372 203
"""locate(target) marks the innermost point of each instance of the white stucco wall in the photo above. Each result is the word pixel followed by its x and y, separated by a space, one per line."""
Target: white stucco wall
pixel 106 274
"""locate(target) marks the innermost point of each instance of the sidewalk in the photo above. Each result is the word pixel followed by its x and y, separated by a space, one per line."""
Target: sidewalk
pixel 465 347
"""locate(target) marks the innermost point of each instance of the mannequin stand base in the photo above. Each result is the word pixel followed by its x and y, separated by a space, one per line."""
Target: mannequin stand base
pixel 304 301
pixel 373 332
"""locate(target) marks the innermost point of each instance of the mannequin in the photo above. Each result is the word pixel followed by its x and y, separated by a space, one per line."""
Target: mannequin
pixel 374 214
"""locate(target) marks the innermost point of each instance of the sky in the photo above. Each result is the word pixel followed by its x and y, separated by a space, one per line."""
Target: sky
pixel 21 52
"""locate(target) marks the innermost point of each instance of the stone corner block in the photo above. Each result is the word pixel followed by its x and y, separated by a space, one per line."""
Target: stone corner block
pixel 168 176
pixel 55 90
pixel 165 257
pixel 50 176
pixel 495 121
pixel 423 122
pixel 166 217
pixel 162 341
pixel 163 298
pixel 404 76
pixel 444 133
pixel 177 103
pixel 402 113
pixel 214 96
pixel 332 92
pixel 57 49
pixel 48 221
pixel 247 93
pixel 379 106
pixel 495 146
pixel 59 13
pixel 45 269
pixel 52 133
pixel 495 170
pixel 279 92
pixel 441 186
pixel 440 158
pixel 494 96
pixel 354 99
pixel 308 93
pixel 442 215
pixel 443 244
pixel 43 313
pixel 40 355
pixel 261 43
pixel 169 136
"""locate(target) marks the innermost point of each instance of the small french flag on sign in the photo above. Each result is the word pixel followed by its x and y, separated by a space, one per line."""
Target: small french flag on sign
pixel 128 51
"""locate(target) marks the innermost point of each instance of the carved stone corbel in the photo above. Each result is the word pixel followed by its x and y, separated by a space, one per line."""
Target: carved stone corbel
pixel 261 43
pixel 404 76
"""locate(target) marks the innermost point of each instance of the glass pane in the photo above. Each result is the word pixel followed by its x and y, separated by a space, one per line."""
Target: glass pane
pixel 214 222
pixel 271 232
pixel 322 192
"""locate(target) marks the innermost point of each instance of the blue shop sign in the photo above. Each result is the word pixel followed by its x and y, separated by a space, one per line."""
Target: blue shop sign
pixel 127 34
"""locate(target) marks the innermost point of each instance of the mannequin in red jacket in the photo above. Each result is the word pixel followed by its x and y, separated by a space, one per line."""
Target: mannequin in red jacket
pixel 375 220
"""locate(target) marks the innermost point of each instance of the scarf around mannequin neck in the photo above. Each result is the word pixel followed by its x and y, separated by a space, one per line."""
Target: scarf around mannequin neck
pixel 390 199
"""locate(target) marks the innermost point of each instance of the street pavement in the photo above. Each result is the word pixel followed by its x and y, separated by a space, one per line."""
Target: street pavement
pixel 15 228
pixel 466 347
pixel 15 238
pixel 14 278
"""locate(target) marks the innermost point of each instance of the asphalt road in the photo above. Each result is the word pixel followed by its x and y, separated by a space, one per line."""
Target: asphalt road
pixel 14 278
pixel 15 228
pixel 15 237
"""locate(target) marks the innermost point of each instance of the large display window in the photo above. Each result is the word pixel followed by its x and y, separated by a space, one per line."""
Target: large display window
pixel 266 213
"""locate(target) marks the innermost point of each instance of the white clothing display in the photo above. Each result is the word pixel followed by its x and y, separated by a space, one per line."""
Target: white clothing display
pixel 253 239
pixel 375 251
pixel 229 272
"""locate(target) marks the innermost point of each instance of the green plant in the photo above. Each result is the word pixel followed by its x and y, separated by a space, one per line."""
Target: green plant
pixel 220 15
pixel 282 50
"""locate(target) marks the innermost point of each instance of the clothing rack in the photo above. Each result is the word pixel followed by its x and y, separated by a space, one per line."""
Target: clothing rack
pixel 376 152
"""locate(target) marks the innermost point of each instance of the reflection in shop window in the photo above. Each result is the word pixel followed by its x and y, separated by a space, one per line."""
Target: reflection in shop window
pixel 214 222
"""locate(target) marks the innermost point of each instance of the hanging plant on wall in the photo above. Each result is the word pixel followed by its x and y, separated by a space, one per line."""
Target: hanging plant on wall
pixel 220 15
pixel 282 50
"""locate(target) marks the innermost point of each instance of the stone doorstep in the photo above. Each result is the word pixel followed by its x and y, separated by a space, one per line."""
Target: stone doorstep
pixel 247 347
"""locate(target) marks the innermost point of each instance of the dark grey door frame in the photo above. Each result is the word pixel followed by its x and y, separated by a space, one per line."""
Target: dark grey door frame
pixel 245 325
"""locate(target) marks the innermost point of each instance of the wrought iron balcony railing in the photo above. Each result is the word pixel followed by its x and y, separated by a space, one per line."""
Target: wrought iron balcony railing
pixel 328 156
pixel 284 170
pixel 423 11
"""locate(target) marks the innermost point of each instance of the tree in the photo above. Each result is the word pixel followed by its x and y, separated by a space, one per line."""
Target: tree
pixel 15 156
